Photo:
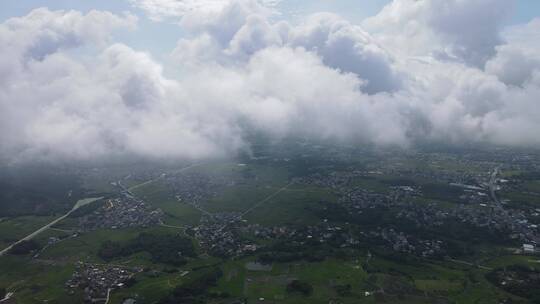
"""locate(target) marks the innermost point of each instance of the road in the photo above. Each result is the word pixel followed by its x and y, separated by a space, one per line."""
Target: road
pixel 7 297
pixel 108 296
pixel 258 204
pixel 493 185
pixel 183 229
pixel 143 184
pixel 199 209
pixel 470 264
pixel 78 205
pixel 127 191
pixel 160 177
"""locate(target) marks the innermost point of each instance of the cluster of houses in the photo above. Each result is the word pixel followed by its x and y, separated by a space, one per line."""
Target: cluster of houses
pixel 121 213
pixel 342 237
pixel 480 210
pixel 221 234
pixel 218 235
pixel 322 233
pixel 97 281
pixel 404 243
pixel 194 187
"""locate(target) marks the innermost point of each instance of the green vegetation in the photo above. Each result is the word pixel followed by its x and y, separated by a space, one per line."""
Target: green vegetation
pixel 442 192
pixel 24 247
pixel 37 191
pixel 179 214
pixel 518 279
pixel 35 282
pixel 87 209
pixel 195 290
pixel 289 207
pixel 14 229
pixel 173 268
pixel 166 249
pixel 237 199
pixel 297 286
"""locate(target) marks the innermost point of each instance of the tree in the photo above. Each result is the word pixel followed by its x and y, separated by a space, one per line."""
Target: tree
pixel 343 290
pixel 110 250
pixel 25 247
pixel 301 287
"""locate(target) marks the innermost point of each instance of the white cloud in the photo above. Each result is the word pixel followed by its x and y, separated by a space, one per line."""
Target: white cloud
pixel 159 10
pixel 464 30
pixel 241 70
pixel 348 48
pixel 244 30
pixel 517 61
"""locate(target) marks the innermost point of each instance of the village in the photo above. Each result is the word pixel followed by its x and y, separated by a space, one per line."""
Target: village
pixel 119 213
pixel 96 281
pixel 221 233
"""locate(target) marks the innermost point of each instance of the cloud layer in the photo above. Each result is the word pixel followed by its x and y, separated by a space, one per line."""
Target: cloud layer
pixel 410 74
pixel 160 10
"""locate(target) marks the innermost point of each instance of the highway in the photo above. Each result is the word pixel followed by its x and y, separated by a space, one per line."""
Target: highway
pixel 79 204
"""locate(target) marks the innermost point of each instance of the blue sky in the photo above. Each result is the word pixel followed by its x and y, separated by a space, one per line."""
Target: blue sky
pixel 354 9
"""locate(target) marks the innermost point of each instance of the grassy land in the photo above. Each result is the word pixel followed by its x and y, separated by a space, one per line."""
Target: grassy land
pixel 151 287
pixel 519 200
pixel 177 214
pixel 533 186
pixel 14 229
pixel 35 282
pixel 237 199
pixel 272 285
pixel 422 283
pixel 289 207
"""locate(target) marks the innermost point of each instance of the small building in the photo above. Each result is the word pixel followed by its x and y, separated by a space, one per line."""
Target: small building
pixel 528 248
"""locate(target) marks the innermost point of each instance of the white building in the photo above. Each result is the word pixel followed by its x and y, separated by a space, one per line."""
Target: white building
pixel 528 248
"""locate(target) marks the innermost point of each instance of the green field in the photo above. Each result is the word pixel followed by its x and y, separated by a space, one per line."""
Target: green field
pixel 289 207
pixel 14 229
pixel 263 187
pixel 177 213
